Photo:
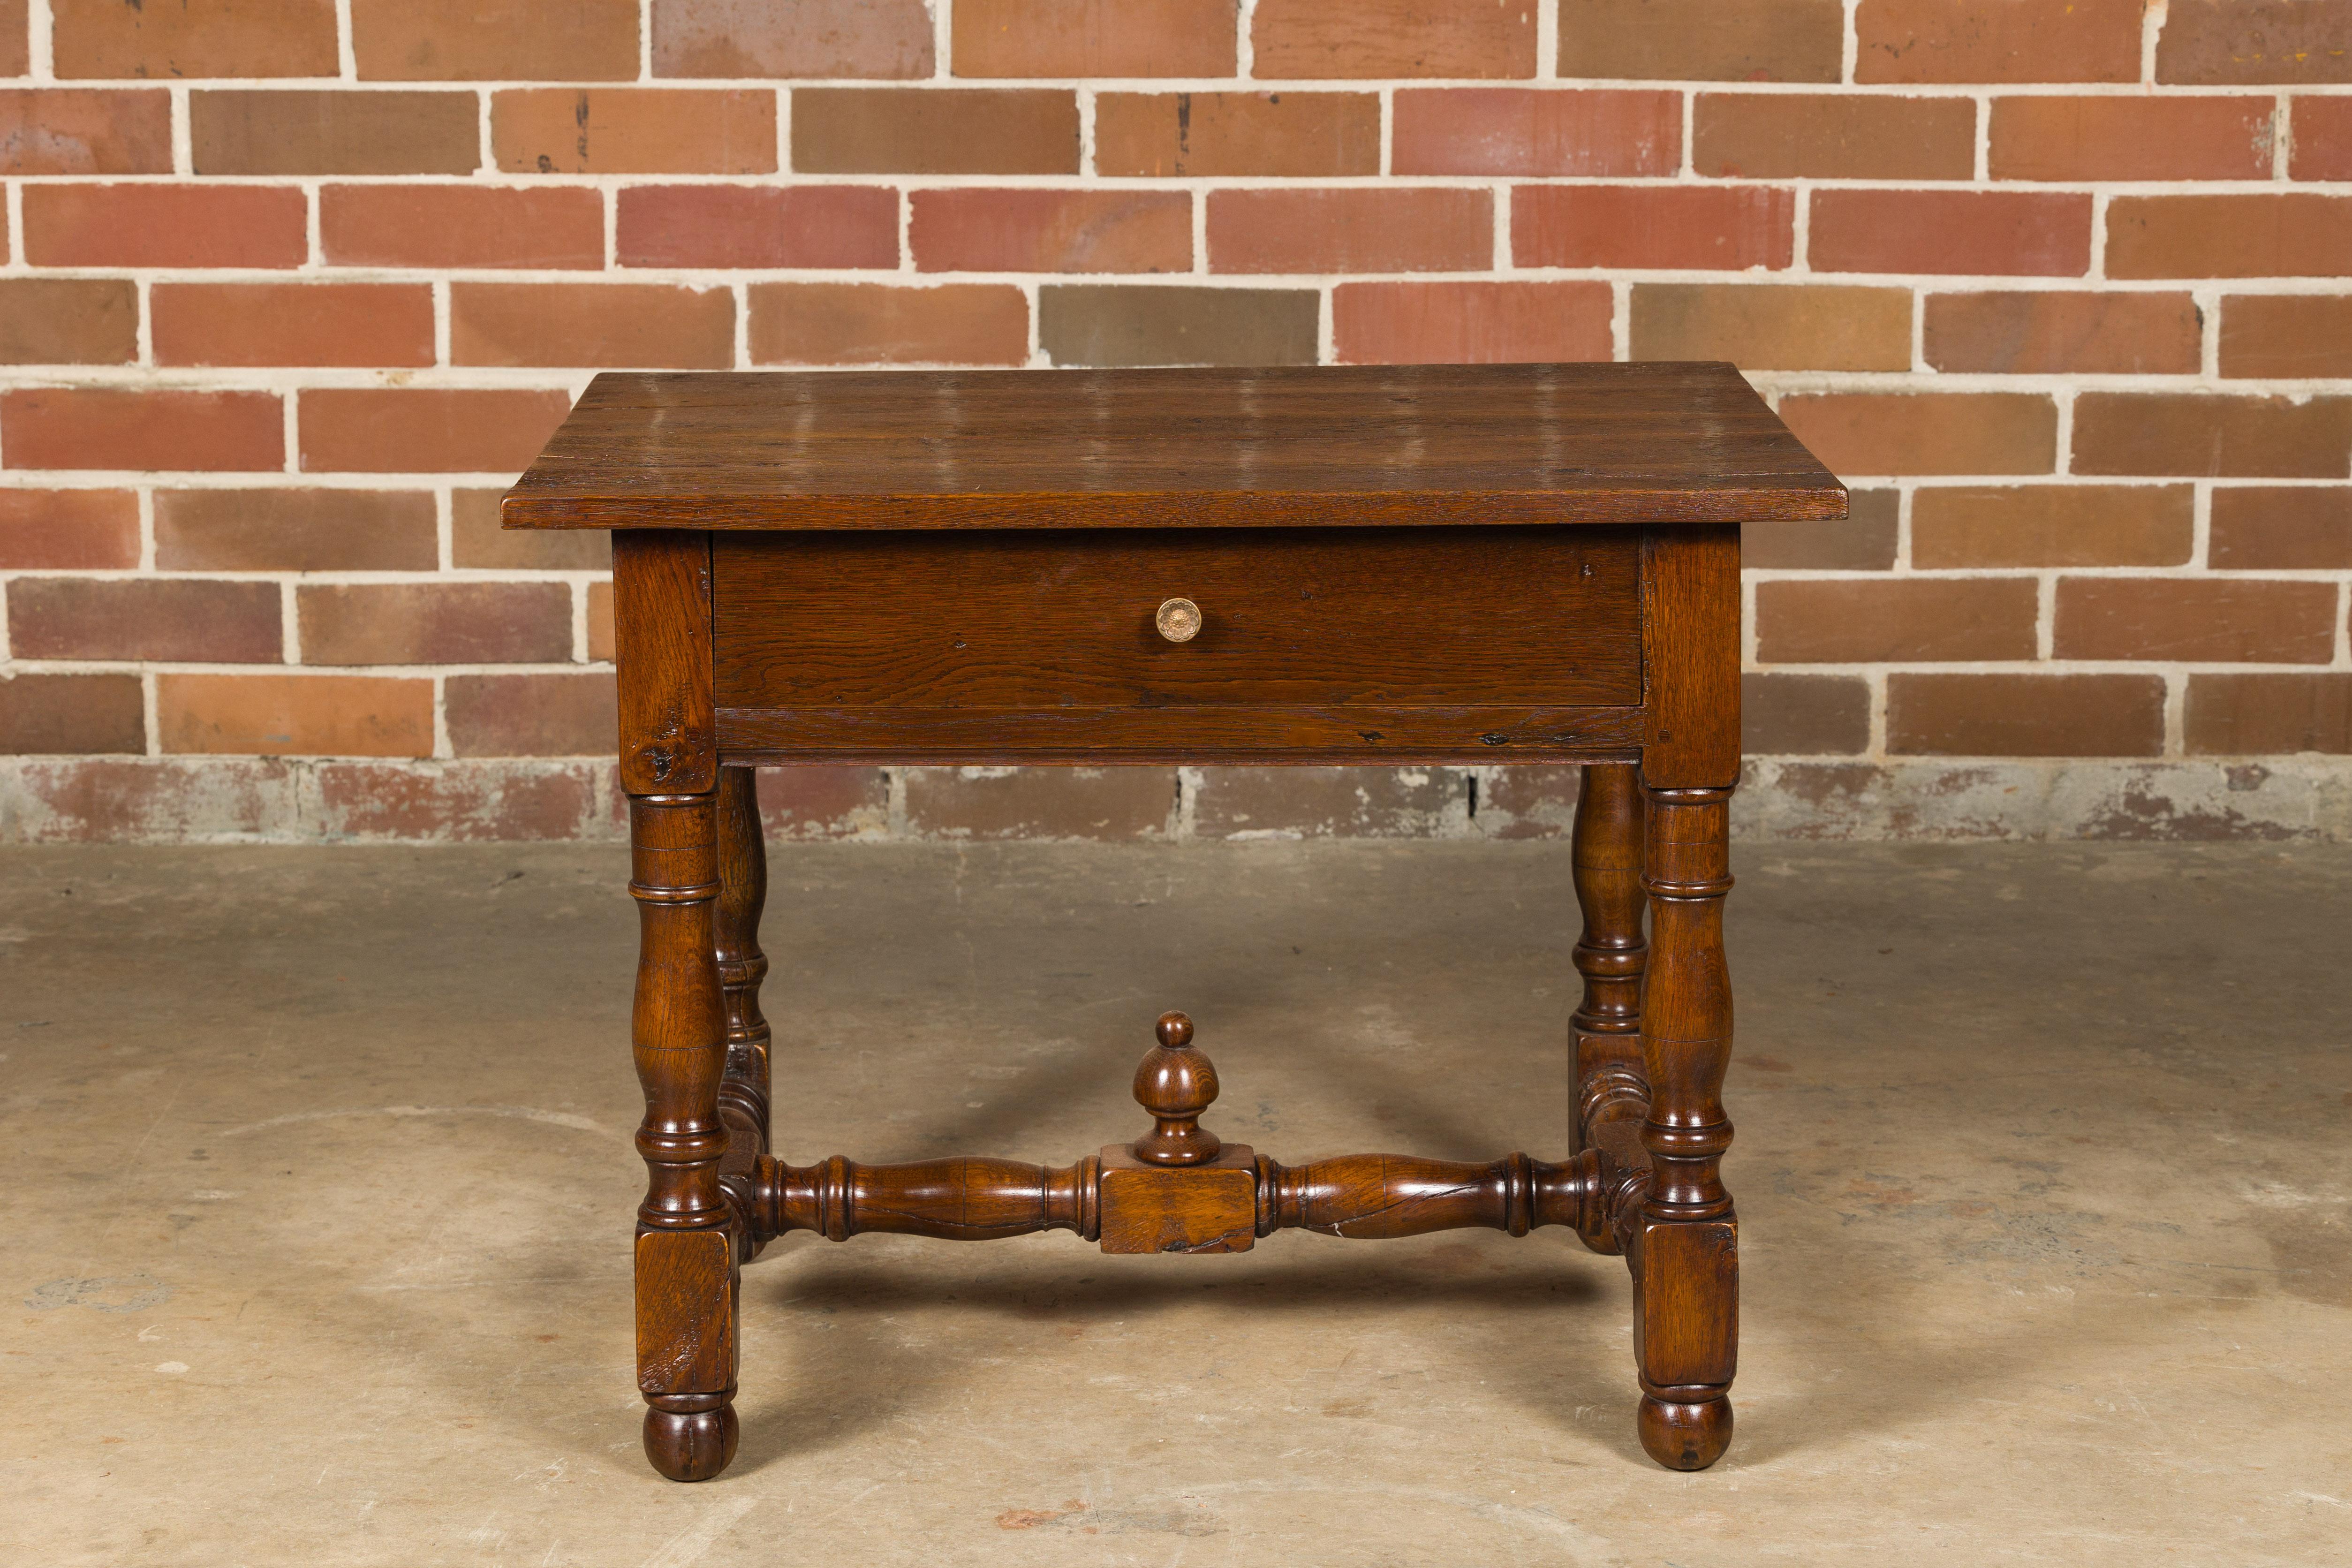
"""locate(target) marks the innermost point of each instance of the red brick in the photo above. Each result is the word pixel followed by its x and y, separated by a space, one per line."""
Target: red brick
pixel 1041 802
pixel 1470 322
pixel 2008 40
pixel 1803 715
pixel 758 225
pixel 1051 231
pixel 2255 41
pixel 2238 620
pixel 2197 434
pixel 1833 135
pixel 1890 620
pixel 1329 802
pixel 435 622
pixel 476 540
pixel 600 324
pixel 2028 332
pixel 928 131
pixel 1361 38
pixel 295 715
pixel 1927 432
pixel 297 131
pixel 816 802
pixel 2287 336
pixel 874 323
pixel 2295 233
pixel 2274 528
pixel 460 226
pixel 1110 324
pixel 63 531
pixel 85 130
pixel 494 40
pixel 633 131
pixel 165 226
pixel 1773 326
pixel 1862 540
pixel 1998 232
pixel 2025 715
pixel 1728 227
pixel 66 715
pixel 1529 131
pixel 1402 229
pixel 16 46
pixel 1962 526
pixel 2321 147
pixel 2256 715
pixel 119 800
pixel 877 38
pixel 293 323
pixel 426 430
pixel 144 618
pixel 68 320
pixel 193 39
pixel 1303 135
pixel 2132 137
pixel 295 530
pixel 1702 40
pixel 1094 37
pixel 118 427
pixel 533 715
pixel 486 802
pixel 600 622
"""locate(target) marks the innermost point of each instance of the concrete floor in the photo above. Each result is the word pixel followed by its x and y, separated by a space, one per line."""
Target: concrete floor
pixel 320 1184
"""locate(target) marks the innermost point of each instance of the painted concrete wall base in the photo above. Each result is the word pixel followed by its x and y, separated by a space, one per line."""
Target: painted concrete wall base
pixel 172 800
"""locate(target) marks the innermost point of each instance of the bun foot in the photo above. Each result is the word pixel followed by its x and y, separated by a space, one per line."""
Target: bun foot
pixel 693 1443
pixel 1686 1436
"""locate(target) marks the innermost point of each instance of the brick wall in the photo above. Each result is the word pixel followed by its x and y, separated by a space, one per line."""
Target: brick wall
pixel 293 287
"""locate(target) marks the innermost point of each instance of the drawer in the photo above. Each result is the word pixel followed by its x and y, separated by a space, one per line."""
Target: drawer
pixel 1358 641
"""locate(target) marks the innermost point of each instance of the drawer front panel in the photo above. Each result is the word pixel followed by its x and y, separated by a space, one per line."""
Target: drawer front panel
pixel 1507 617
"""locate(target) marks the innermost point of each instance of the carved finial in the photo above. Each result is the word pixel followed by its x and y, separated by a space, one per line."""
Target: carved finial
pixel 1176 1083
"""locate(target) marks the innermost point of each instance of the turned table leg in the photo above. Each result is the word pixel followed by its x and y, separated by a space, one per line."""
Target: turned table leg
pixel 1686 1254
pixel 687 1236
pixel 1610 954
pixel 686 1250
pixel 744 1093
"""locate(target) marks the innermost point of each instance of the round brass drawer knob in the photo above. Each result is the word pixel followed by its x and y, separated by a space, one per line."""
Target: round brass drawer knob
pixel 1178 620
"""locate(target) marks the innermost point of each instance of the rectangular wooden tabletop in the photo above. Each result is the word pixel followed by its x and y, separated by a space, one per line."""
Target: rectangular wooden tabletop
pixel 1341 445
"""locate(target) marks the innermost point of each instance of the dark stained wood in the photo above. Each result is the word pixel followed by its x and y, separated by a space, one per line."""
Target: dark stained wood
pixel 1208 1207
pixel 661 620
pixel 1408 445
pixel 686 1253
pixel 1686 1254
pixel 745 1088
pixel 1378 735
pixel 1690 632
pixel 1178 1188
pixel 1376 1197
pixel 1605 1031
pixel 1175 1084
pixel 1399 617
pixel 1553 576
pixel 954 1200
pixel 687 1230
pixel 742 967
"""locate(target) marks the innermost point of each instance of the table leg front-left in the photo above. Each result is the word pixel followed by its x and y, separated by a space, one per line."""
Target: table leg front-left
pixel 687 1236
pixel 686 1253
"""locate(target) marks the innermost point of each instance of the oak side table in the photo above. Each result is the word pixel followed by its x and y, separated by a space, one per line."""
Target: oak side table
pixel 1501 563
